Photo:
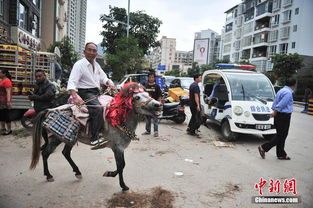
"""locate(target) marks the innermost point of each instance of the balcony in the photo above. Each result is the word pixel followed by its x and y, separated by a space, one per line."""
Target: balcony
pixel 260 52
pixel 262 24
pixel 260 39
pixel 287 3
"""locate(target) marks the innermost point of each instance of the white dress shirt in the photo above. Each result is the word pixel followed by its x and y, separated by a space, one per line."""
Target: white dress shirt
pixel 83 76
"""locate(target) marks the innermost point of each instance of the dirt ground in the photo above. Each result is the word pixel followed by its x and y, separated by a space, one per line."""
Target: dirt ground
pixel 196 171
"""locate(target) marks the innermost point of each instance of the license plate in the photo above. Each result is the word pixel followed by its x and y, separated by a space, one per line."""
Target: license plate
pixel 262 126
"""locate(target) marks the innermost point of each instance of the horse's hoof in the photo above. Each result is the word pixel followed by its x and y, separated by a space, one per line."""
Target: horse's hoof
pixel 106 174
pixel 125 189
pixel 50 179
pixel 79 176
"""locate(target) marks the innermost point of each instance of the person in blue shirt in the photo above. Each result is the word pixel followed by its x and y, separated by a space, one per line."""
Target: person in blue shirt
pixel 282 109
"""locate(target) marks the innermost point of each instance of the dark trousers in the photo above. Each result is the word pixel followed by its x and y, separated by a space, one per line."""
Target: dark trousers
pixel 195 120
pixel 281 123
pixel 95 112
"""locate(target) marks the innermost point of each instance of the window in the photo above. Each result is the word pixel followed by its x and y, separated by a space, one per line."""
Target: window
pixel 276 4
pixel 275 20
pixel 293 45
pixel 286 16
pixel 272 50
pixel 1 7
pixel 248 28
pixel 246 41
pixel 249 14
pixel 23 14
pixel 295 28
pixel 35 25
pixel 229 27
pixel 227 38
pixel 273 36
pixel 283 48
pixel 296 11
pixel 284 32
pixel 237 44
pixel 227 48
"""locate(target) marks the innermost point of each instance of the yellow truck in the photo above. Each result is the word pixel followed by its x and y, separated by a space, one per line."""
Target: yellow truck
pixel 22 64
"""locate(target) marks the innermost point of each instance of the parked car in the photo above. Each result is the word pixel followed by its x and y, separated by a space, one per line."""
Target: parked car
pixel 183 82
pixel 238 100
pixel 141 78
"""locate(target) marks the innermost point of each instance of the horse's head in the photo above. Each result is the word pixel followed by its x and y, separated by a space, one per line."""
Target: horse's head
pixel 142 102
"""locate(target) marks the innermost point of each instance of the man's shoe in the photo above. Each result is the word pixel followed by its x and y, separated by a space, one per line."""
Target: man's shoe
pixel 262 152
pixel 146 133
pixel 156 134
pixel 284 158
pixel 97 142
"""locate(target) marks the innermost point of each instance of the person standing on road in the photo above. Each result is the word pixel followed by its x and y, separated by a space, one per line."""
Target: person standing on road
pixel 5 101
pixel 85 80
pixel 282 109
pixel 155 92
pixel 194 93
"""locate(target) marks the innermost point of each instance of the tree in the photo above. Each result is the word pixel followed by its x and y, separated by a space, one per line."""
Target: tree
pixel 205 67
pixel 195 69
pixel 127 58
pixel 144 28
pixel 174 72
pixel 68 57
pixel 286 65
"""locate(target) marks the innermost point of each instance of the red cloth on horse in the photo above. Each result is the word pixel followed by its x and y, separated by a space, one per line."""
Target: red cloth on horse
pixel 122 104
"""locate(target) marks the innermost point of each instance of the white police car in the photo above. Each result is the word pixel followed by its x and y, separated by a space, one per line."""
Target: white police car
pixel 239 100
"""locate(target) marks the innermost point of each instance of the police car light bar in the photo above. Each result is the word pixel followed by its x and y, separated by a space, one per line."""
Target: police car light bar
pixel 234 66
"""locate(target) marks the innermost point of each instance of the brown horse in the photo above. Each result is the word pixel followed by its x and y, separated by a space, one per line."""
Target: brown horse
pixel 119 140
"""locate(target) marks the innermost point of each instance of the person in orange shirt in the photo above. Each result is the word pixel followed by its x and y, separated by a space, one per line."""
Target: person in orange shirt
pixel 5 101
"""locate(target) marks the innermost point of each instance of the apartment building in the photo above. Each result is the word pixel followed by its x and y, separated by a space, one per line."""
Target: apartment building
pixel 257 29
pixel 53 21
pixel 183 61
pixel 76 24
pixel 163 57
pixel 209 42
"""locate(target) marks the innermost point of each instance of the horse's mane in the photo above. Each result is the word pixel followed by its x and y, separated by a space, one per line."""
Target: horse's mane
pixel 122 104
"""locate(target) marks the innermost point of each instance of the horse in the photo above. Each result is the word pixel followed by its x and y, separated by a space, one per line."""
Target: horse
pixel 139 103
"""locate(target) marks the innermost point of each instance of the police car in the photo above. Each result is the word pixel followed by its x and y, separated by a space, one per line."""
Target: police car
pixel 238 99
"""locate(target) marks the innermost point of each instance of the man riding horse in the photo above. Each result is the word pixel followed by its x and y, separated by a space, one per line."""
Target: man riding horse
pixel 85 80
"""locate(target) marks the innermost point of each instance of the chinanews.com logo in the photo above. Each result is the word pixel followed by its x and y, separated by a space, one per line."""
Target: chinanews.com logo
pixel 288 187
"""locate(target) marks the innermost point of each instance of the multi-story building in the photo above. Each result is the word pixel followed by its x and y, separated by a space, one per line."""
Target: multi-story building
pixel 53 21
pixel 257 29
pixel 183 60
pixel 20 23
pixel 163 57
pixel 76 23
pixel 210 41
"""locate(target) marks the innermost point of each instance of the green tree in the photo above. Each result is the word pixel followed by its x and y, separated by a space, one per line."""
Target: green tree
pixel 68 57
pixel 271 75
pixel 205 67
pixel 174 72
pixel 286 65
pixel 195 69
pixel 127 58
pixel 144 28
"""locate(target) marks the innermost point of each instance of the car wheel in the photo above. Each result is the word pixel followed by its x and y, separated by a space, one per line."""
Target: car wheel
pixel 268 136
pixel 227 133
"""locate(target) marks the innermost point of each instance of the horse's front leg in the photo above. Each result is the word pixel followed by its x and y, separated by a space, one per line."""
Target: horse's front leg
pixel 120 164
pixel 67 154
pixel 51 146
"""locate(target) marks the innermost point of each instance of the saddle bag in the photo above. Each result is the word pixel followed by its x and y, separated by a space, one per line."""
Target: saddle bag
pixel 63 125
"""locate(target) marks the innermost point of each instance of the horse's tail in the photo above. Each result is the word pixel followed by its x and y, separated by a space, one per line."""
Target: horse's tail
pixel 37 132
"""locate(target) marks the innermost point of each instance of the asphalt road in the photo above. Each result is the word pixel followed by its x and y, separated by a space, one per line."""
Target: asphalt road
pixel 212 176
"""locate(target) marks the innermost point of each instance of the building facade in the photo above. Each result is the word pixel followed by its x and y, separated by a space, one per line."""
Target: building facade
pixel 209 42
pixel 183 61
pixel 255 30
pixel 20 23
pixel 53 21
pixel 76 23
